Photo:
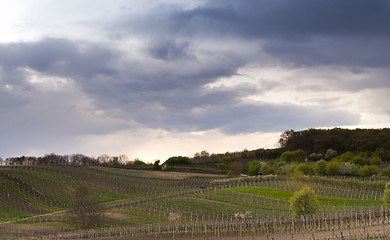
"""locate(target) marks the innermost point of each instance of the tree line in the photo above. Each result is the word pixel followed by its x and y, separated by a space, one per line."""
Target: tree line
pixel 338 139
pixel 73 159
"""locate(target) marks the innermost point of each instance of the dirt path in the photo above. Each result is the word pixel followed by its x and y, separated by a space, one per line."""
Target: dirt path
pixel 33 217
pixel 353 233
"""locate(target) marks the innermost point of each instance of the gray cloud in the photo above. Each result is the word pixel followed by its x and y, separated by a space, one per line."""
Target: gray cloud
pixel 169 49
pixel 284 18
pixel 154 94
pixel 361 52
pixel 57 56
pixel 300 32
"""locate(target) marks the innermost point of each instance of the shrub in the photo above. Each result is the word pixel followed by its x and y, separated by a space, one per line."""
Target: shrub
pixel 386 194
pixel 376 161
pixel 386 171
pixel 348 169
pixel 358 160
pixel 254 168
pixel 287 169
pixel 345 157
pixel 177 160
pixel 139 162
pixel 287 156
pixel 320 167
pixel 369 171
pixel 332 168
pixel 267 169
pixel 330 154
pixel 315 156
pixel 294 156
pixel 304 169
pixel 304 202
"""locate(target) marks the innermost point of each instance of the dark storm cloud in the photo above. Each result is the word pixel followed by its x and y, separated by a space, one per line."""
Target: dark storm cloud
pixel 286 18
pixel 299 32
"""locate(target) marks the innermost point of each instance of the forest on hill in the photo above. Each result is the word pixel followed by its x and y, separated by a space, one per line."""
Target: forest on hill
pixel 339 139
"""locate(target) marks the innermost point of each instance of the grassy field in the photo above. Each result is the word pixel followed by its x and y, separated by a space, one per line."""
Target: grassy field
pixel 38 197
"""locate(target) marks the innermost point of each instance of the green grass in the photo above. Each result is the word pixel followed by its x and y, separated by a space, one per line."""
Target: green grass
pixel 285 195
pixel 266 192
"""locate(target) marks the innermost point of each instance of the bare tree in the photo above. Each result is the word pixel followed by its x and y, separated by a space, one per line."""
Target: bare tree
pixel 85 210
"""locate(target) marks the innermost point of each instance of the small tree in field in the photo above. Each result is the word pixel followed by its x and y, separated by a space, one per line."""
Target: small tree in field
pixel 85 210
pixel 386 194
pixel 304 202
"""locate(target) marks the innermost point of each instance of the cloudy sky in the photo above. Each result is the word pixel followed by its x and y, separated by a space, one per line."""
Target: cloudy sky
pixel 157 78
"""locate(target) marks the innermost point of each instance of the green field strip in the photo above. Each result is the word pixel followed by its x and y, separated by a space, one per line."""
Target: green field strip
pixel 284 195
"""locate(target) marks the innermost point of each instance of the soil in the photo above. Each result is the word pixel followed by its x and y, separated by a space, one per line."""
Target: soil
pixel 355 233
pixel 117 216
pixel 32 230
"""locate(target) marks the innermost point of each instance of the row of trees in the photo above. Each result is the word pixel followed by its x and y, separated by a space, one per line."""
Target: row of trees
pixel 74 159
pixel 341 140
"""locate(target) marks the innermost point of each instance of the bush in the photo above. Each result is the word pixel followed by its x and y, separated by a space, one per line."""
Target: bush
pixel 345 157
pixel 267 169
pixel 369 171
pixel 286 169
pixel 376 161
pixel 294 156
pixel 330 154
pixel 358 160
pixel 139 162
pixel 348 169
pixel 332 168
pixel 386 194
pixel 254 168
pixel 386 171
pixel 315 156
pixel 304 202
pixel 304 169
pixel 177 160
pixel 320 167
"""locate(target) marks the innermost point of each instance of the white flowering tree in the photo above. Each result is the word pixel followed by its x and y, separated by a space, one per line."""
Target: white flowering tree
pixel 243 216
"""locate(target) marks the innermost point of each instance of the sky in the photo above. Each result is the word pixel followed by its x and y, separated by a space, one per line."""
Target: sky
pixel 158 78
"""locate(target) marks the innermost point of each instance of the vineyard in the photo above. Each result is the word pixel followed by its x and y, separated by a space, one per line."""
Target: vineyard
pixel 35 202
